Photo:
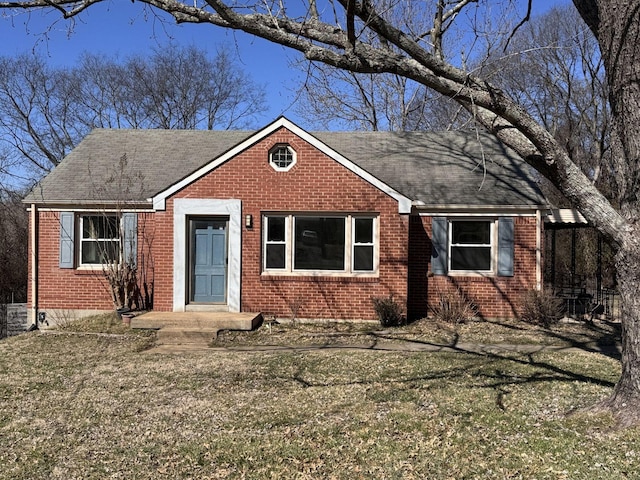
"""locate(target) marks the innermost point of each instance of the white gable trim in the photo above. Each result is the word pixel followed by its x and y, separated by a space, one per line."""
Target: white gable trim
pixel 404 203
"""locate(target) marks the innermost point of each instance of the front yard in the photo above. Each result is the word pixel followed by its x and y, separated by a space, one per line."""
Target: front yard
pixel 100 406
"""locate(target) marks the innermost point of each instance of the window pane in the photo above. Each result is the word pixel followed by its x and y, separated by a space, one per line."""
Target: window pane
pixel 471 258
pixel 478 233
pixel 363 258
pixel 94 252
pixel 319 243
pixel 364 230
pixel 275 229
pixel 100 227
pixel 275 256
pixel 90 252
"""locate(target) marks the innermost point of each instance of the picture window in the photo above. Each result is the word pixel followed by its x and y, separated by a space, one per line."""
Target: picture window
pixel 317 243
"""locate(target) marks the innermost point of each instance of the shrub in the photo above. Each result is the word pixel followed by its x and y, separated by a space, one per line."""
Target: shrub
pixel 541 308
pixel 453 307
pixel 388 311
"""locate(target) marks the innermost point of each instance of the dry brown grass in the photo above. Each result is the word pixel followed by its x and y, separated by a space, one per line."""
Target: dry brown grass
pixel 88 406
pixel 571 333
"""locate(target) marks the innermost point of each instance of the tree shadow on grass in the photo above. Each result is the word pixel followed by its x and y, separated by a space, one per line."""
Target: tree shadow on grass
pixel 522 355
pixel 601 337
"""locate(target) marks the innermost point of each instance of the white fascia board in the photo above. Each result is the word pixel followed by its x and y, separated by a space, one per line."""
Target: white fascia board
pixel 457 210
pixel 404 203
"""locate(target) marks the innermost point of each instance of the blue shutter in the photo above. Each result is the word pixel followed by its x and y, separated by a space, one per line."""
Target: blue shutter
pixel 130 237
pixel 505 247
pixel 439 262
pixel 67 231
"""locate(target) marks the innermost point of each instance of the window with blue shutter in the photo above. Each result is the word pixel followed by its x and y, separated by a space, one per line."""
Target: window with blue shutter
pixel 439 247
pixel 67 229
pixel 470 245
pixel 505 246
pixel 130 225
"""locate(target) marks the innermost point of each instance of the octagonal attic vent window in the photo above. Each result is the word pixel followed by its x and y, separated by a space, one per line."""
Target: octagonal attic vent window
pixel 282 157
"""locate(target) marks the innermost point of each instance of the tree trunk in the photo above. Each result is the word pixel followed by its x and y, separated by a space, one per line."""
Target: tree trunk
pixel 625 400
pixel 616 24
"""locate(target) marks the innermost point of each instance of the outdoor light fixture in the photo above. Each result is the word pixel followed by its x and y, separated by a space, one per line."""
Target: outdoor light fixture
pixel 248 220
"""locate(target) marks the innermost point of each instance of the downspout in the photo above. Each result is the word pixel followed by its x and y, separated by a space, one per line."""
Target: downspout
pixel 34 266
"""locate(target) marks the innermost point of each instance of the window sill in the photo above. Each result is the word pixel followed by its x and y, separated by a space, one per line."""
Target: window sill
pixel 470 276
pixel 320 277
pixel 90 268
pixel 462 273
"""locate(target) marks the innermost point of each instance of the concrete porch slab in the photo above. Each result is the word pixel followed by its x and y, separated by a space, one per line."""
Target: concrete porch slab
pixel 217 320
pixel 194 327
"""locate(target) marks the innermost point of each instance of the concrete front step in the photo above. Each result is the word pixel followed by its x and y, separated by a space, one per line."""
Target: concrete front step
pixel 181 336
pixel 179 328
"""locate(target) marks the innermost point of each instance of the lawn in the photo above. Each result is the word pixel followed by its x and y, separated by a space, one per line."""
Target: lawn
pixel 101 406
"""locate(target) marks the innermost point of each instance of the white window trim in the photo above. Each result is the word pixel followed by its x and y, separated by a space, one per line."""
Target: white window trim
pixel 493 244
pixel 275 148
pixel 285 242
pixel 82 240
pixel 374 242
pixel 349 246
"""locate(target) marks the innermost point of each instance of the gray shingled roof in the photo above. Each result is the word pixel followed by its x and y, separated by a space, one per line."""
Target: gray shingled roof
pixel 451 168
pixel 443 168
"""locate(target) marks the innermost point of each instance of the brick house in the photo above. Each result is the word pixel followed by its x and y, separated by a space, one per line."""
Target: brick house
pixel 286 222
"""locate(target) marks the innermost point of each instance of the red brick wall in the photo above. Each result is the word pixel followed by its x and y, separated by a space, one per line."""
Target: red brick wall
pixel 59 287
pixel 495 297
pixel 73 289
pixel 315 183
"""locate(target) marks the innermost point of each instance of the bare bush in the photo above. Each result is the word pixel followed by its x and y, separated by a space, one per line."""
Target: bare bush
pixel 389 311
pixel 541 307
pixel 453 307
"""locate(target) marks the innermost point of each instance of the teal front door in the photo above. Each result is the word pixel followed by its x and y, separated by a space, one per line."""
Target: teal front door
pixel 208 260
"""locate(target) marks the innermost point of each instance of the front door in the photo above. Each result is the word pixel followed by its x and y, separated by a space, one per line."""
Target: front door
pixel 208 260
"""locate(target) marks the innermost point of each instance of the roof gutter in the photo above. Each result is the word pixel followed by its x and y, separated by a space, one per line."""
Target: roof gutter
pixel 92 205
pixel 438 209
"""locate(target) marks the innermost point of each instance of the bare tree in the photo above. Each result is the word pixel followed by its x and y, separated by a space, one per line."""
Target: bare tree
pixel 45 112
pixel 13 247
pixel 553 67
pixel 341 36
pixel 35 118
pixel 105 92
pixel 111 238
pixel 331 97
pixel 179 87
pixel 176 87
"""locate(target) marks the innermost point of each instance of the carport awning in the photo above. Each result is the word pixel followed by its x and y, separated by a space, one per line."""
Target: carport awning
pixel 565 217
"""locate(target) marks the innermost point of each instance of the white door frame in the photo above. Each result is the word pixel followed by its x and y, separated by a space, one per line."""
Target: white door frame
pixel 185 207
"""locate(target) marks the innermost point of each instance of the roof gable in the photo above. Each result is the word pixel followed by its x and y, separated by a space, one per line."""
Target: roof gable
pixel 404 203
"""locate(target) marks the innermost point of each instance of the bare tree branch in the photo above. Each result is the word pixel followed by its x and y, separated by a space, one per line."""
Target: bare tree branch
pixel 526 18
